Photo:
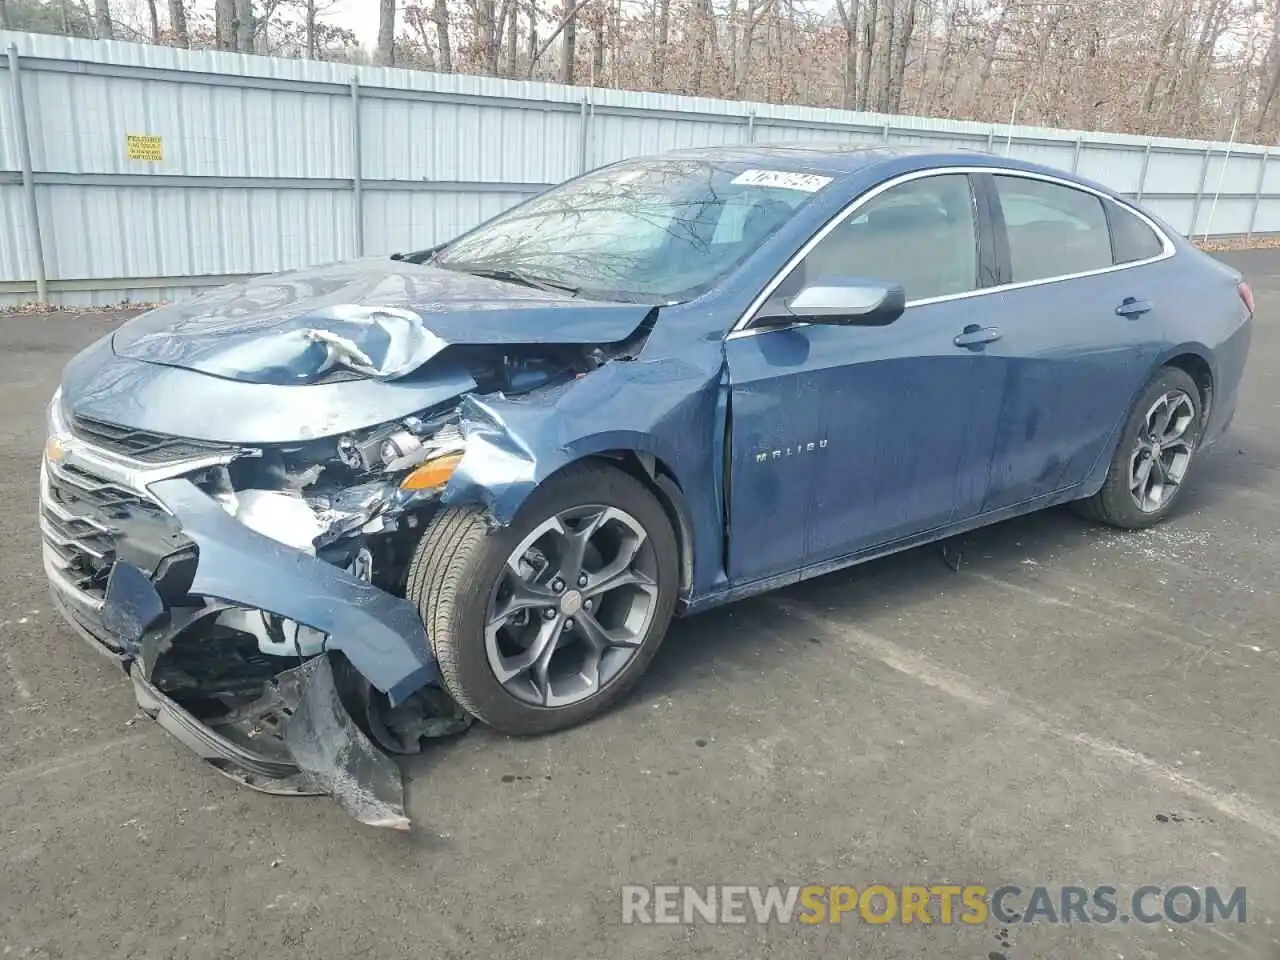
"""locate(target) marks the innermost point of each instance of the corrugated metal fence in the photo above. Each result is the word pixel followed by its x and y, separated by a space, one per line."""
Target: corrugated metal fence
pixel 152 172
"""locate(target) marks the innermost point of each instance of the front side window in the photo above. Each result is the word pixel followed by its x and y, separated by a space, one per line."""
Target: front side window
pixel 648 230
pixel 919 234
pixel 1053 230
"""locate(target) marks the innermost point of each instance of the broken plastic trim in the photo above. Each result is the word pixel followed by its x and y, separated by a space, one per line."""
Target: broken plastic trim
pixel 381 634
pixel 296 737
pixel 330 754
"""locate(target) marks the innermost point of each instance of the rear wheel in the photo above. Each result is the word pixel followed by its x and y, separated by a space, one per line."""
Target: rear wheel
pixel 1154 454
pixel 544 623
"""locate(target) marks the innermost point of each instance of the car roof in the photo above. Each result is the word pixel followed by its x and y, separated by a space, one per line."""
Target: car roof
pixel 827 156
pixel 844 159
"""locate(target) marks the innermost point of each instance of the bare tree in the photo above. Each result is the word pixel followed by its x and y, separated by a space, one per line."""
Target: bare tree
pixel 532 38
pixel 178 24
pixel 244 26
pixel 560 28
pixel 849 21
pixel 569 45
pixel 441 17
pixel 898 56
pixel 1271 65
pixel 224 16
pixel 1175 67
pixel 102 18
pixel 868 52
pixel 309 27
pixel 419 21
pixel 386 53
pixel 511 11
pixel 663 11
pixel 598 21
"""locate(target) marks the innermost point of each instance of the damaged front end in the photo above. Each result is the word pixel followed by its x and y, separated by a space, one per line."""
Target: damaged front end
pixel 242 547
pixel 255 596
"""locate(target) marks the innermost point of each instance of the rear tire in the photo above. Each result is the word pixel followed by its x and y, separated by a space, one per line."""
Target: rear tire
pixel 1153 457
pixel 465 577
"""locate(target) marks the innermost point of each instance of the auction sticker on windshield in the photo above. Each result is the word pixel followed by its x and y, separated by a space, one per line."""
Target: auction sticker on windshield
pixel 787 179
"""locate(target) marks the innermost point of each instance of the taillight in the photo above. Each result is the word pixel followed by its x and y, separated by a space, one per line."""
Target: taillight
pixel 1246 296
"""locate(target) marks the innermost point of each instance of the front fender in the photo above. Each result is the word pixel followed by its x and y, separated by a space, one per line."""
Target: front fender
pixel 665 409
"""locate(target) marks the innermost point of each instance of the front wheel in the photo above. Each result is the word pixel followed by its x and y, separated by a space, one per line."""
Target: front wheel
pixel 1154 454
pixel 544 623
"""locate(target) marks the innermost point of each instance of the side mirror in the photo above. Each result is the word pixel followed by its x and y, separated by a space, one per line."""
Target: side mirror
pixel 849 302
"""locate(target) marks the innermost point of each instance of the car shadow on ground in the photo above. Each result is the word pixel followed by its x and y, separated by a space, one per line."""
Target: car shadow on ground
pixel 753 637
pixel 741 634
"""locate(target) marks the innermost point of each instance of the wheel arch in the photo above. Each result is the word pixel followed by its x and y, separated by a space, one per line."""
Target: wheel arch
pixel 1194 359
pixel 502 492
pixel 661 481
pixel 1195 363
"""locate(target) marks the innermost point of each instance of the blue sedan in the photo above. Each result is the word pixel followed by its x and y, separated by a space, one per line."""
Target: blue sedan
pixel 352 507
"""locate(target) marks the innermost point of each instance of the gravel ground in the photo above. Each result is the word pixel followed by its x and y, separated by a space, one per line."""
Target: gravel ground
pixel 1076 705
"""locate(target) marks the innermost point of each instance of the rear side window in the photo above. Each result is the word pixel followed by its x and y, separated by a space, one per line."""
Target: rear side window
pixel 1053 230
pixel 1131 239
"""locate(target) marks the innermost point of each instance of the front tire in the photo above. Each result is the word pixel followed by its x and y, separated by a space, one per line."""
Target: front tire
pixel 1154 455
pixel 542 624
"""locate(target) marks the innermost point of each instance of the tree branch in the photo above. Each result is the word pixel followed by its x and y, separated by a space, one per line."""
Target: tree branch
pixel 546 44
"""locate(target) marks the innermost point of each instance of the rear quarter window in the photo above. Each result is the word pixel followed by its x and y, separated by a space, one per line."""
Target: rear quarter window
pixel 1131 238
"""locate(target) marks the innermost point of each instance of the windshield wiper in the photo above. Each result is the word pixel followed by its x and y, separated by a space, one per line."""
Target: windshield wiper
pixel 507 275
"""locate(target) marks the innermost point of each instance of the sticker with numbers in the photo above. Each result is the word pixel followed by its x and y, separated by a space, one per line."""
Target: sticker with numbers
pixel 787 179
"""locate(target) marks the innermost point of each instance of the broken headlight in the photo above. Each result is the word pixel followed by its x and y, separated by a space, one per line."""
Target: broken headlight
pixel 311 494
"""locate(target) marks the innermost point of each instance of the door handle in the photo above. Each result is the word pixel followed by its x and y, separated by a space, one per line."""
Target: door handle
pixel 975 336
pixel 1132 307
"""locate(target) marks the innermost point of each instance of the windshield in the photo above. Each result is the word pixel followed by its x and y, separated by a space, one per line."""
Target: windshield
pixel 649 230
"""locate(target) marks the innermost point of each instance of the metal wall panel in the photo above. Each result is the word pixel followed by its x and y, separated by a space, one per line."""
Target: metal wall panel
pixel 1119 169
pixel 421 140
pixel 260 168
pixel 1174 172
pixel 1268 218
pixel 1228 215
pixel 15 243
pixel 1176 211
pixel 405 222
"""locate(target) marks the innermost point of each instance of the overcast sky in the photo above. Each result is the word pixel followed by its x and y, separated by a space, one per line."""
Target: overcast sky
pixel 358 15
pixel 361 16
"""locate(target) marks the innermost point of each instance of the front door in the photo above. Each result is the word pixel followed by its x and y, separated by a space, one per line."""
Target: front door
pixel 844 438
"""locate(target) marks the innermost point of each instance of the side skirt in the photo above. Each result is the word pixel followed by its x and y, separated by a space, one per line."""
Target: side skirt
pixel 740 591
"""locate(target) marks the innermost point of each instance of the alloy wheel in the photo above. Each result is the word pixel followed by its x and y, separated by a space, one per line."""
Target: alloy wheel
pixel 1163 451
pixel 574 602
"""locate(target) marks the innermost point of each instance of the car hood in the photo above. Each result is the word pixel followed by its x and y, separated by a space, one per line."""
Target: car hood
pixel 377 318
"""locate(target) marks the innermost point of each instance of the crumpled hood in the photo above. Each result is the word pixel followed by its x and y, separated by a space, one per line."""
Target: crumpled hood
pixel 381 318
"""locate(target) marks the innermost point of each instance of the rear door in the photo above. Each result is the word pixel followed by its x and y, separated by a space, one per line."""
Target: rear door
pixel 1079 329
pixel 847 437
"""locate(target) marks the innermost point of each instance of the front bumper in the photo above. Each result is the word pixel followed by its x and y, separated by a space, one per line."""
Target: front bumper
pixel 141 563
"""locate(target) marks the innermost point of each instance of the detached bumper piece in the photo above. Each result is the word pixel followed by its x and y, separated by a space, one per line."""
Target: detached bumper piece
pixel 285 732
pixel 307 745
pixel 168 585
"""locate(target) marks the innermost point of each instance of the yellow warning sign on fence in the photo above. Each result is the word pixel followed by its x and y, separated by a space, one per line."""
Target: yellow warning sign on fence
pixel 143 146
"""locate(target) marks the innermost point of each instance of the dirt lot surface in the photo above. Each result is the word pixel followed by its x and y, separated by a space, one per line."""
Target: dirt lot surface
pixel 1075 705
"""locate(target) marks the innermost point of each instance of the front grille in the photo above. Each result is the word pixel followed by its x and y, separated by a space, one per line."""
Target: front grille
pixel 140 445
pixel 76 513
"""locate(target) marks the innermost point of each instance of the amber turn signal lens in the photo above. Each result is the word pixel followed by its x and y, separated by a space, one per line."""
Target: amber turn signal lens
pixel 432 474
pixel 55 450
